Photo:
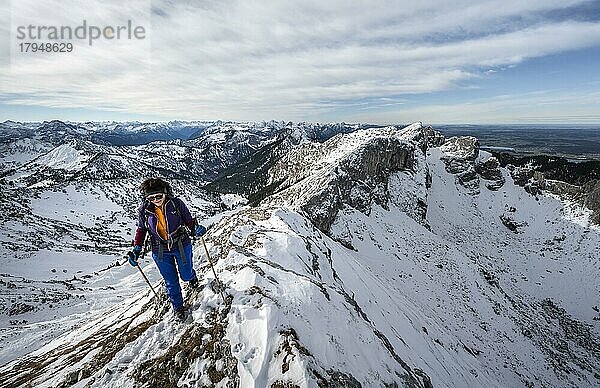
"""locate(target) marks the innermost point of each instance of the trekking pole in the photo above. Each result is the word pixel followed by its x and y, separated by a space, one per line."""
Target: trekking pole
pixel 144 276
pixel 146 245
pixel 147 281
pixel 213 269
pixel 144 250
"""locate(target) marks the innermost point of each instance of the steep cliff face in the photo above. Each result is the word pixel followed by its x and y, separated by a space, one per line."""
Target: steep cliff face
pixel 354 171
pixel 251 178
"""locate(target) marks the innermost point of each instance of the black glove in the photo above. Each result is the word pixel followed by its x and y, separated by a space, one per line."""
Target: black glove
pixel 134 255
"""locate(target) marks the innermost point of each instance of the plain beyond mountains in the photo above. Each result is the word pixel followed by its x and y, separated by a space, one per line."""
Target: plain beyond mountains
pixel 572 141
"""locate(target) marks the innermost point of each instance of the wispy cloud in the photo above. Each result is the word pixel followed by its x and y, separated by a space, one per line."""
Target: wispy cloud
pixel 292 60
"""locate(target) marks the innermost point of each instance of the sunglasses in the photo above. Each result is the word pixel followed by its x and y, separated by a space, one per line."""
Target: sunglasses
pixel 156 197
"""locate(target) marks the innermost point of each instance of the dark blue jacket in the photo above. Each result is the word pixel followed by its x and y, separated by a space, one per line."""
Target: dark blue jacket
pixel 177 217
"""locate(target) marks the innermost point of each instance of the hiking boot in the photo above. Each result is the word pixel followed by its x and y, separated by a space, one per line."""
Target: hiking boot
pixel 180 313
pixel 194 283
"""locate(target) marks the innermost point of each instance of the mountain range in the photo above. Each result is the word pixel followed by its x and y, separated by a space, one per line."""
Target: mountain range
pixel 347 255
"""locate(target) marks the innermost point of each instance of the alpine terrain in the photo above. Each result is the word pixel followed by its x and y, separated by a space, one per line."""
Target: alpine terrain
pixel 346 255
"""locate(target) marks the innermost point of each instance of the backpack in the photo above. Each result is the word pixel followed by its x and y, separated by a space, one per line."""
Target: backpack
pixel 177 209
pixel 175 237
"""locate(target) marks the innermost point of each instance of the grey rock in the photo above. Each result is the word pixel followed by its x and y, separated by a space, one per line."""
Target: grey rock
pixel 490 171
pixel 358 181
pixel 510 223
pixel 459 157
pixel 463 147
pixel 592 198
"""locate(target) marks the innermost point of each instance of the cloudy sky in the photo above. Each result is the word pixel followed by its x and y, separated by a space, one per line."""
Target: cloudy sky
pixel 511 61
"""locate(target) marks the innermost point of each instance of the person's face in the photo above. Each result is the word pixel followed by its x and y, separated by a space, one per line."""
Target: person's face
pixel 156 199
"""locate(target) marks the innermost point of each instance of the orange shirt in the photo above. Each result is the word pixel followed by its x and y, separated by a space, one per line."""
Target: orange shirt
pixel 161 224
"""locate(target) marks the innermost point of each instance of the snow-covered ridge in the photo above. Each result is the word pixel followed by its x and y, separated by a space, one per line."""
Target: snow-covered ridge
pixel 381 259
pixel 64 157
pixel 349 170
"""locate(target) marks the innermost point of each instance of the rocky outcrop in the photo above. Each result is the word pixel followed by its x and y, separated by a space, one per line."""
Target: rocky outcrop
pixel 462 158
pixel 592 199
pixel 527 177
pixel 461 148
pixel 459 156
pixel 574 180
pixel 349 171
pixel 359 180
pixel 489 170
pixel 423 137
pixel 534 181
pixel 512 225
pixel 520 175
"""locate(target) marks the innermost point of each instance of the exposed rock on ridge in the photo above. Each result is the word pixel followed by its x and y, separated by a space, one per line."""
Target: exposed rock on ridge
pixel 463 159
pixel 573 180
pixel 348 171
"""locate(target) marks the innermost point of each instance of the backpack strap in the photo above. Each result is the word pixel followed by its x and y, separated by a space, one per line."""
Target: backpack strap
pixel 144 215
pixel 181 231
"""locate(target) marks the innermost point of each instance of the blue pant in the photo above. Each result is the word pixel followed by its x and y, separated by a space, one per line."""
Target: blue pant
pixel 168 270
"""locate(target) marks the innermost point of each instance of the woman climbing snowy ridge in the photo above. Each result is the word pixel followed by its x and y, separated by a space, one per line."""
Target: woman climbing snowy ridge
pixel 169 222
